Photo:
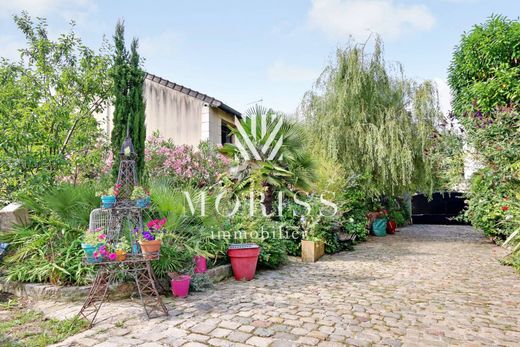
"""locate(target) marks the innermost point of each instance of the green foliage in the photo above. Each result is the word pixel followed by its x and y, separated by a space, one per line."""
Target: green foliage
pixel 376 125
pixel 264 232
pixel 49 249
pixel 23 327
pixel 485 68
pixel 200 282
pixel 447 156
pixel 294 170
pixel 47 102
pixel 129 107
pixel 138 193
pixel 187 234
pixel 484 78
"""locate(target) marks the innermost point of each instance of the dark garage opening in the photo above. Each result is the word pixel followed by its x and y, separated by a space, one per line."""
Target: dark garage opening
pixel 441 209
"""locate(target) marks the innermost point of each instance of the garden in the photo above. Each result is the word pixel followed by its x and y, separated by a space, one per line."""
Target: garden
pixel 369 138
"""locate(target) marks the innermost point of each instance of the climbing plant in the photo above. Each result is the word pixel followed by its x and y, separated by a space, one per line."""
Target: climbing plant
pixel 372 121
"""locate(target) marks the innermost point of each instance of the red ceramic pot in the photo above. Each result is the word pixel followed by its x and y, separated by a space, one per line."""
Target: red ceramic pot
pixel 244 258
pixel 390 227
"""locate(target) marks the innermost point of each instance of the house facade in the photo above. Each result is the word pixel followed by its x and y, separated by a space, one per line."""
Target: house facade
pixel 180 113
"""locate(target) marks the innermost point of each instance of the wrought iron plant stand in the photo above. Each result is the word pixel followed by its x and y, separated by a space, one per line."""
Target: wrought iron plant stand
pixel 123 219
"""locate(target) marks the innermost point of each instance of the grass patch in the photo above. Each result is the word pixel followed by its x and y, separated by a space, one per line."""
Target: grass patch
pixel 21 326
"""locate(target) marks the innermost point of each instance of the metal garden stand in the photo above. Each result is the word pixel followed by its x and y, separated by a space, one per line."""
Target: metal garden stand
pixel 123 219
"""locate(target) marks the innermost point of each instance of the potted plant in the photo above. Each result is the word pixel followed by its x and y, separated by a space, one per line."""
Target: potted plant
pixel 92 242
pixel 141 197
pixel 122 249
pixel 109 196
pixel 180 284
pixel 379 224
pixel 313 247
pixel 200 264
pixel 396 218
pixel 150 238
pixel 243 257
pixel 105 253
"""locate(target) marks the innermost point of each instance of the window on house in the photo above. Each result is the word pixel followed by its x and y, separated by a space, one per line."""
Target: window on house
pixel 226 136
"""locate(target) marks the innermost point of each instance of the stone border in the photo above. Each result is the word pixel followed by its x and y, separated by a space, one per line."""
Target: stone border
pixel 39 291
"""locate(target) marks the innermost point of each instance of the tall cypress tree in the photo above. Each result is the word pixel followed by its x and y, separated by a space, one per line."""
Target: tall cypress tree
pixel 136 105
pixel 120 91
pixel 129 107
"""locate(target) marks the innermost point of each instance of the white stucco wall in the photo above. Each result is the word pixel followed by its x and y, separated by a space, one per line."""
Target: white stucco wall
pixel 184 119
pixel 175 114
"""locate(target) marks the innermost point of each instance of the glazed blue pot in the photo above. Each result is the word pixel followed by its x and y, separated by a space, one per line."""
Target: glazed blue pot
pixel 379 227
pixel 142 203
pixel 108 201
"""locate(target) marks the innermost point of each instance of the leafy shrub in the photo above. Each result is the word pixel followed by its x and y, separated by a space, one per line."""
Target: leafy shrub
pixel 43 138
pixel 486 102
pixel 49 249
pixel 265 233
pixel 200 282
pixel 188 234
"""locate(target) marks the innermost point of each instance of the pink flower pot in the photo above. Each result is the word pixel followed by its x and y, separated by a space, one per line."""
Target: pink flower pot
pixel 181 286
pixel 200 264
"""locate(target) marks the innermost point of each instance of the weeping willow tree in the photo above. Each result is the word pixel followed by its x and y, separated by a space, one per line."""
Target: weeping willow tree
pixel 379 126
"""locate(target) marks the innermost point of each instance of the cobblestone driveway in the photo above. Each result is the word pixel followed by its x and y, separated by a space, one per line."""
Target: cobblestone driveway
pixel 427 285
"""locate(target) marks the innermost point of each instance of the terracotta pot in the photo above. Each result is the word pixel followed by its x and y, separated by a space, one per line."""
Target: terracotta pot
pixel 120 255
pixel 151 249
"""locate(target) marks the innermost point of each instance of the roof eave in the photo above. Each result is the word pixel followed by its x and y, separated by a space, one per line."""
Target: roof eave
pixel 193 93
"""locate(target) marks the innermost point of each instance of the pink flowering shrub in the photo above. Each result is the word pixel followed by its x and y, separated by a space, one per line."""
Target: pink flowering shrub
pixel 201 166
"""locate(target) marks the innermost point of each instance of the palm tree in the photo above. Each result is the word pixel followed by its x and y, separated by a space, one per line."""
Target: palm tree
pixel 271 154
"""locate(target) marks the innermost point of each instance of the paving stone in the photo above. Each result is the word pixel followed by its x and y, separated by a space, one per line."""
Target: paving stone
pixel 307 340
pixel 194 344
pixel 284 343
pixel 259 341
pixel 247 328
pixel 229 324
pixel 219 342
pixel 299 331
pixel 238 336
pixel 220 332
pixel 263 332
pixel 203 328
pixel 197 337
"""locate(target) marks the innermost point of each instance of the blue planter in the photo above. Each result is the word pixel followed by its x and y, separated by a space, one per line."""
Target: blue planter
pixel 379 227
pixel 135 248
pixel 143 203
pixel 108 201
pixel 89 252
